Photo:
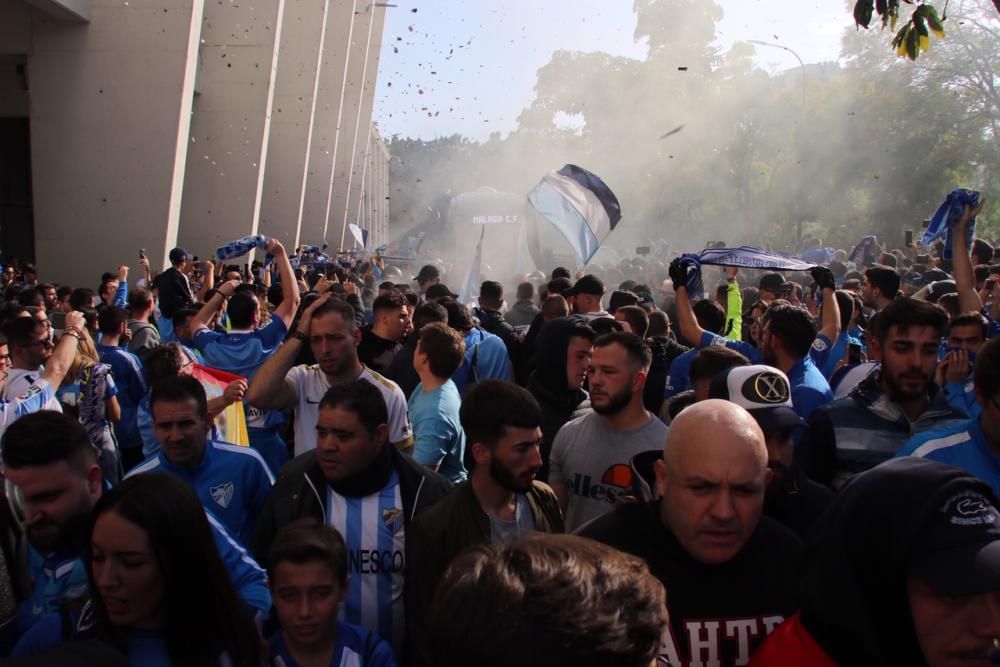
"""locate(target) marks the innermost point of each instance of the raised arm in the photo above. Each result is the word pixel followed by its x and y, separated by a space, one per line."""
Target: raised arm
pixel 687 323
pixel 205 313
pixel 62 356
pixel 289 288
pixel 830 313
pixel 269 391
pixel 208 283
pixel 121 294
pixel 965 276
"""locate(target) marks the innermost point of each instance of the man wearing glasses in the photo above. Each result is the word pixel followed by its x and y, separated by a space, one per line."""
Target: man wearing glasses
pixel 30 348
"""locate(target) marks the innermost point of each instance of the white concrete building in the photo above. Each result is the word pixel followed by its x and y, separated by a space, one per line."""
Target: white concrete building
pixel 128 124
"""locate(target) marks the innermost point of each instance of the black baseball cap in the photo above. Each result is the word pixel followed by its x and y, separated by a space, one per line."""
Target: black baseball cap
pixel 179 254
pixel 621 298
pixel 958 551
pixel 589 284
pixel 427 272
pixel 761 390
pixel 774 282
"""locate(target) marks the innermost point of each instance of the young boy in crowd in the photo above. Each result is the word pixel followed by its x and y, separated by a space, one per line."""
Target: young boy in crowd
pixel 308 575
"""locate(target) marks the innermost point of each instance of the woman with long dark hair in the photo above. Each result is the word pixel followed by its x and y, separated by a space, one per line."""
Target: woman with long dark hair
pixel 160 592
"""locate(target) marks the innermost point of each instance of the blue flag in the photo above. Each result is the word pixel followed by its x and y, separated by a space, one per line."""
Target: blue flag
pixel 579 205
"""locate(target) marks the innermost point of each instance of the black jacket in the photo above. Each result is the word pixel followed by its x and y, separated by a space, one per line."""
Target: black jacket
pixel 453 525
pixel 664 350
pixel 173 291
pixel 854 601
pixel 492 321
pixel 549 386
pixel 401 369
pixel 799 505
pixel 756 588
pixel 300 491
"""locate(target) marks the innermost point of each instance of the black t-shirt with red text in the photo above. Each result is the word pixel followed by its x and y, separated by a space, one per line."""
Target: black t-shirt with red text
pixel 718 613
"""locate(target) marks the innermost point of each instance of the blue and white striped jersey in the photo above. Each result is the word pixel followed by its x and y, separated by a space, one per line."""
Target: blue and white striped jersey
pixel 373 530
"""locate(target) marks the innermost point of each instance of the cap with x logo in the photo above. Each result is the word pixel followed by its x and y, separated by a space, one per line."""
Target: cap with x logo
pixel 763 391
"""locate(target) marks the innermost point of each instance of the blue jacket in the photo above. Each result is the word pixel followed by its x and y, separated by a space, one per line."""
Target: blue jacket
pixel 231 481
pixel 62 577
pixel 126 369
pixel 962 445
pixel 488 355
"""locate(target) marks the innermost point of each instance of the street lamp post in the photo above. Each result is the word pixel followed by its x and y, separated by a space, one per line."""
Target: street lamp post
pixel 802 65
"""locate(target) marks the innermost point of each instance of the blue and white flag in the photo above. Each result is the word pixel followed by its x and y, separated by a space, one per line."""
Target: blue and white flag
pixel 242 246
pixel 579 205
pixel 744 257
pixel 864 252
pixel 470 286
pixel 947 214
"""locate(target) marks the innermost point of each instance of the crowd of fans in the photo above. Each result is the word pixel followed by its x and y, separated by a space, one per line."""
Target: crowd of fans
pixel 802 469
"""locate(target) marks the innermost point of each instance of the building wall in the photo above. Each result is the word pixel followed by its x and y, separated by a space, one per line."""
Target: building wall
pixel 158 123
pixel 229 123
pixel 107 101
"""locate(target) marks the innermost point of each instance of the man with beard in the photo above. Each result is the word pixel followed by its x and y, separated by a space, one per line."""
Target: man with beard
pixel 589 467
pixel 852 434
pixel 764 392
pixel 500 501
pixel 880 287
pixel 48 457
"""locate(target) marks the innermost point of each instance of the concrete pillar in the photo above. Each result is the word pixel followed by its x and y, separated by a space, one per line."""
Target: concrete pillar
pixel 230 125
pixel 303 36
pixel 323 141
pixel 358 105
pixel 110 103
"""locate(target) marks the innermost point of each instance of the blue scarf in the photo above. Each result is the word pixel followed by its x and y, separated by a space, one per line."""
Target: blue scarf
pixel 242 246
pixel 947 214
pixel 745 256
pixel 863 253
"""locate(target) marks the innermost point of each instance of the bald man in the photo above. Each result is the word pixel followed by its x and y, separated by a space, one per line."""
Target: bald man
pixel 731 574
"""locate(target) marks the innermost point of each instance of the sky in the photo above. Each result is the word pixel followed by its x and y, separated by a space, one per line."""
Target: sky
pixel 468 66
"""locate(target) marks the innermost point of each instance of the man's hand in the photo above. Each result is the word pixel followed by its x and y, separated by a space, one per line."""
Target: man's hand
pixel 74 320
pixel 235 391
pixel 323 285
pixel 144 263
pixel 232 284
pixel 731 272
pixel 678 274
pixel 350 287
pixel 208 267
pixel 126 337
pixel 305 322
pixel 275 248
pixel 823 277
pixel 123 273
pixel 955 366
pixel 970 213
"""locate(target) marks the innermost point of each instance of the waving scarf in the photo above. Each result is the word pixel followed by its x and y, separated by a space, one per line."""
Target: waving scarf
pixel 947 214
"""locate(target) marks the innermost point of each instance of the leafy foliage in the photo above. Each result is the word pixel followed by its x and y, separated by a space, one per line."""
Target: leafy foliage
pixel 840 151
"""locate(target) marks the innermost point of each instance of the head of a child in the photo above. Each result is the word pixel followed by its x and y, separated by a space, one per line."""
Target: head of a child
pixel 307 569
